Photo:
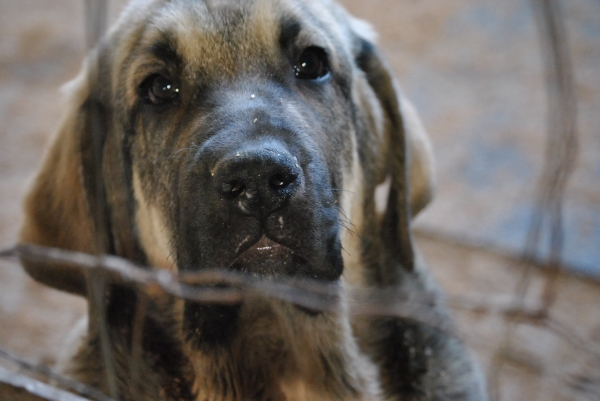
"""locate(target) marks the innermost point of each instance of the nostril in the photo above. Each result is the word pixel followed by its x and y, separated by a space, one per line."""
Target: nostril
pixel 281 181
pixel 233 188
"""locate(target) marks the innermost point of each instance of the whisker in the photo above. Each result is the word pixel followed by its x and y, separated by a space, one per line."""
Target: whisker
pixel 344 215
pixel 343 190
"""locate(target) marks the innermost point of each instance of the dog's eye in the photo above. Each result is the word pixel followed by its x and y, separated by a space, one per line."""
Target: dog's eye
pixel 157 89
pixel 312 64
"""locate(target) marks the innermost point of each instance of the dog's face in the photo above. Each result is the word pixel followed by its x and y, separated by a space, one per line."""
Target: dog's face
pixel 263 136
pixel 237 135
pixel 232 109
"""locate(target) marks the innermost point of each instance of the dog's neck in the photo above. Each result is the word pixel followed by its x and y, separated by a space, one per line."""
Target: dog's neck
pixel 290 355
pixel 278 353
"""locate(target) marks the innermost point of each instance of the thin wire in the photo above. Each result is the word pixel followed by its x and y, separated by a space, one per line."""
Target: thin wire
pixel 560 158
pixel 44 371
pixel 95 23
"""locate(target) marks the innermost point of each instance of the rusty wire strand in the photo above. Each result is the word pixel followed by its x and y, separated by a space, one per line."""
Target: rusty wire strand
pixel 559 163
pixel 200 286
pixel 312 294
pixel 42 370
pixel 96 19
pixel 137 352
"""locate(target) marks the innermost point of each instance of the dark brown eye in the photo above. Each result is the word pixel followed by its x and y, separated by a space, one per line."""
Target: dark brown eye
pixel 312 64
pixel 157 89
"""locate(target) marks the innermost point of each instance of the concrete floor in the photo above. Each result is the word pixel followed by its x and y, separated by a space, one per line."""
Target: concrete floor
pixel 474 71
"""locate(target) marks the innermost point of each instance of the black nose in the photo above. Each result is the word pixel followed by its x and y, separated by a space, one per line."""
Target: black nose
pixel 257 179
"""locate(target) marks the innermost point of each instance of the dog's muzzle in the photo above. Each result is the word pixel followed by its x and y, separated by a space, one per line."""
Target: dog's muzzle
pixel 257 196
pixel 258 180
pixel 258 200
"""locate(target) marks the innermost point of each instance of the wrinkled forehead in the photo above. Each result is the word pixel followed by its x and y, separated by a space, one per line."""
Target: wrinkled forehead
pixel 218 36
pixel 224 37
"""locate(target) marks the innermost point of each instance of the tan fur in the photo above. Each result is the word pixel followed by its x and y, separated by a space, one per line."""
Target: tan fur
pixel 154 232
pixel 303 365
pixel 422 167
pixel 56 212
pixel 352 217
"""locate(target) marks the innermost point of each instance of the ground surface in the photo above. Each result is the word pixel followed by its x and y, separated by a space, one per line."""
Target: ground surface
pixel 475 72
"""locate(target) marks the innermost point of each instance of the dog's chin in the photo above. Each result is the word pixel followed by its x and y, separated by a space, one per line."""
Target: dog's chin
pixel 267 258
pixel 210 325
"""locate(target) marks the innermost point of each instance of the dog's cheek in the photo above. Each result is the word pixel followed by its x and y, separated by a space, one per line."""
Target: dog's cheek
pixel 352 219
pixel 155 235
pixel 381 197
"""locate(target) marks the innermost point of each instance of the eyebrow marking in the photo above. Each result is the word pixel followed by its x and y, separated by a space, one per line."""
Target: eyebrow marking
pixel 164 49
pixel 289 29
pixel 365 55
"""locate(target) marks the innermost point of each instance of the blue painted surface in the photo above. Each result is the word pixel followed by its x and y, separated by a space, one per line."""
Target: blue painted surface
pixel 582 242
pixel 512 231
pixel 592 29
pixel 491 82
pixel 486 17
pixel 487 161
pixel 581 246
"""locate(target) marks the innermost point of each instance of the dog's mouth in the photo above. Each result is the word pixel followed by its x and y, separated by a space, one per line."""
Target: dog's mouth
pixel 269 258
pixel 208 325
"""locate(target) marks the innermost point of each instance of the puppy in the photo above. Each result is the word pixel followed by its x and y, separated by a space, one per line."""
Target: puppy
pixel 261 136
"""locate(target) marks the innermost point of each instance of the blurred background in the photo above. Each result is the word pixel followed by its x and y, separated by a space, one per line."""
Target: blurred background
pixel 477 72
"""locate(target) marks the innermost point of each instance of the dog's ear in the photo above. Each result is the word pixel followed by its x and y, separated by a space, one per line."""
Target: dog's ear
pixel 403 119
pixel 407 154
pixel 421 172
pixel 57 209
pixel 56 212
pixel 81 199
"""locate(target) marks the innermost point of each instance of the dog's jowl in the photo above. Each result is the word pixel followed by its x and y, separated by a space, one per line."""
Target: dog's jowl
pixel 265 137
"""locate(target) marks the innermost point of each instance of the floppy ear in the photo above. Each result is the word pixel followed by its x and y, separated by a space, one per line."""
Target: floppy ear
pixel 408 160
pixel 421 172
pixel 56 210
pixel 403 116
pixel 80 199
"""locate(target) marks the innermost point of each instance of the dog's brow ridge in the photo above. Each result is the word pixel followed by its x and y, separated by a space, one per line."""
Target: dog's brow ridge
pixel 164 50
pixel 289 29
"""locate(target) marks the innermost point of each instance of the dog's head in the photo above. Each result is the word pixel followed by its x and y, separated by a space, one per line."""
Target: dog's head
pixel 238 135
